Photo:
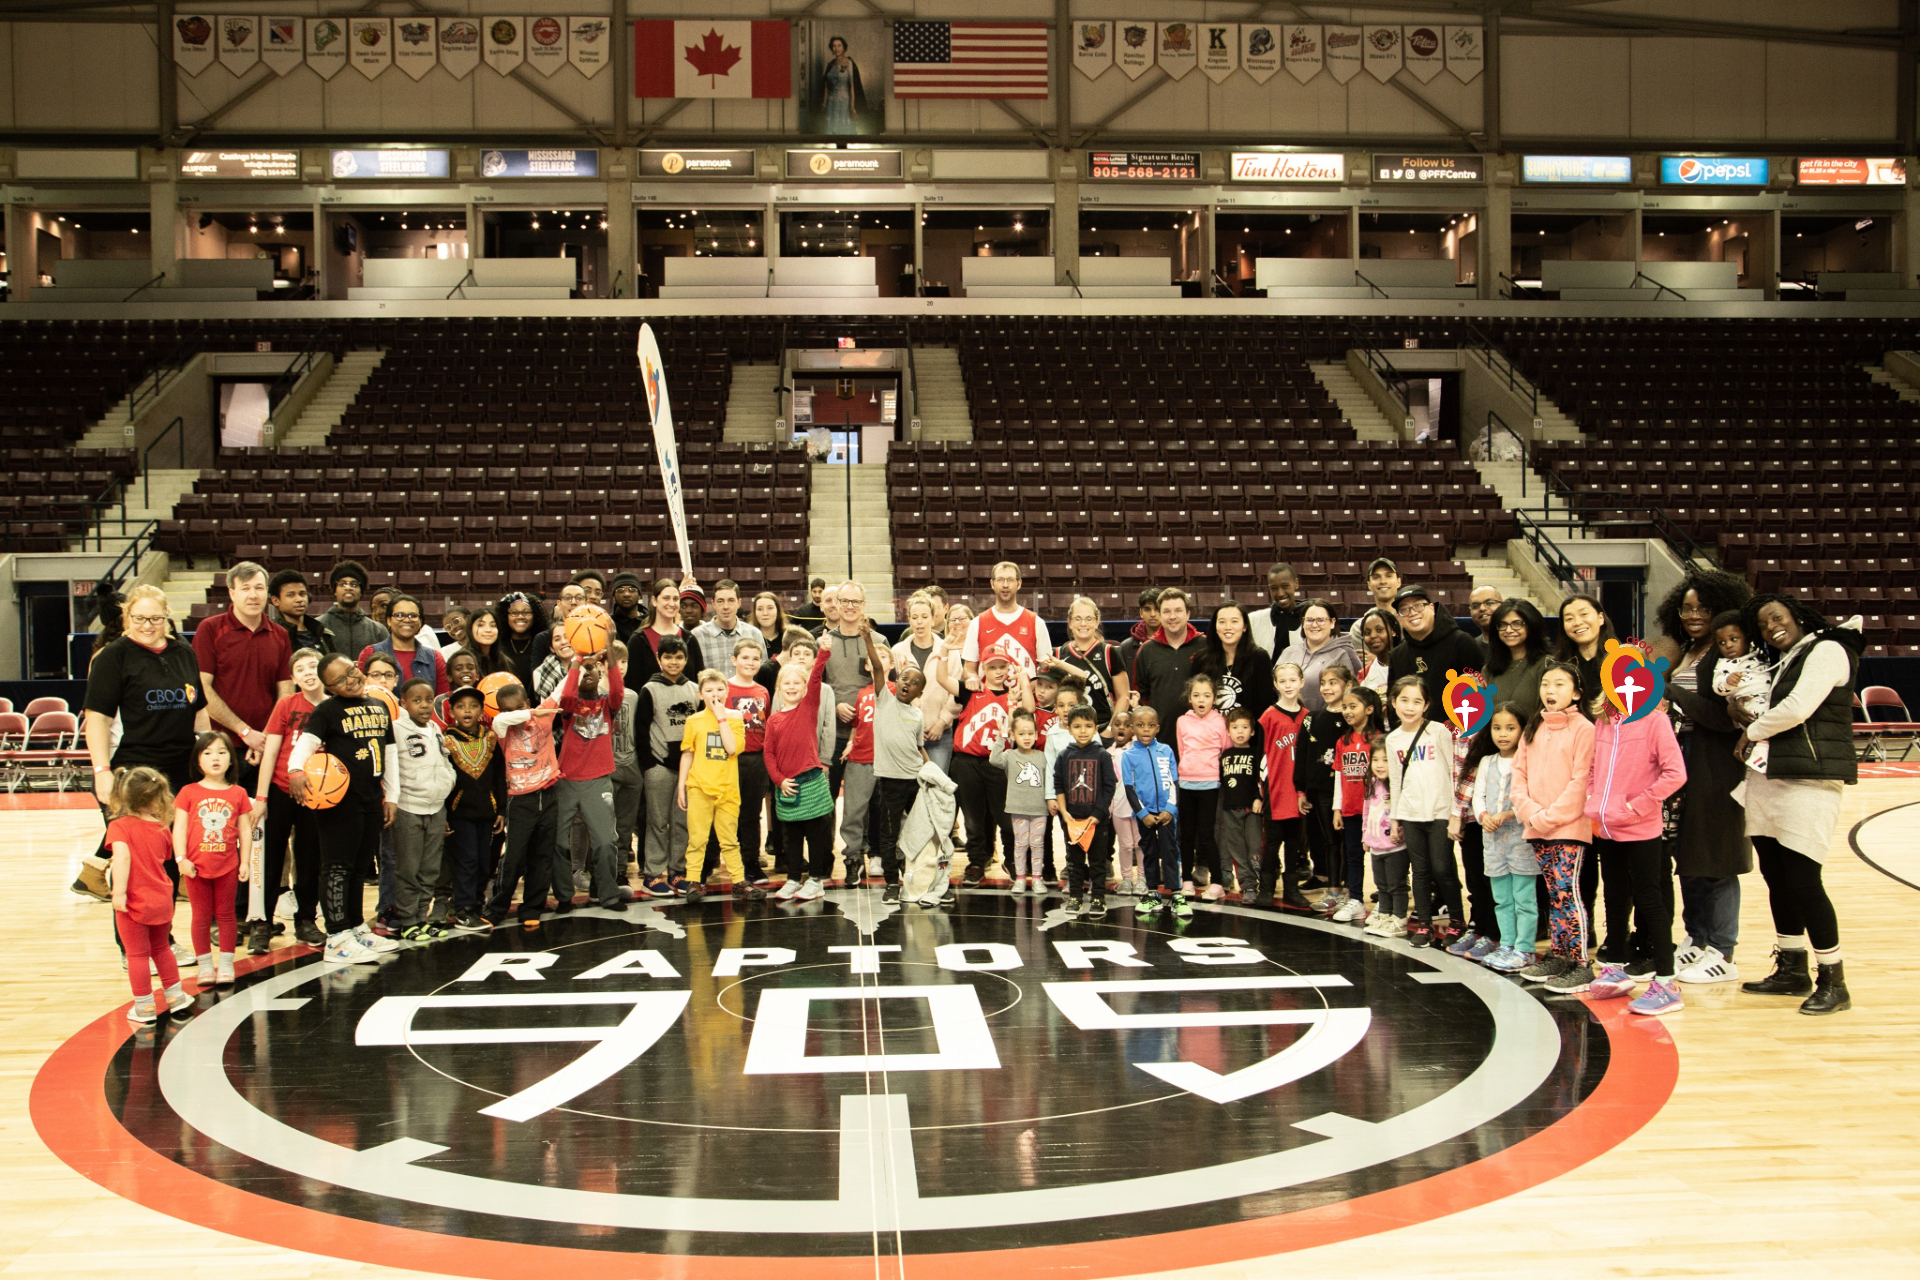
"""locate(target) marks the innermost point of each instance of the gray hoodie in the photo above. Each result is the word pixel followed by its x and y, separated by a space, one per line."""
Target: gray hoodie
pixel 664 707
pixel 353 630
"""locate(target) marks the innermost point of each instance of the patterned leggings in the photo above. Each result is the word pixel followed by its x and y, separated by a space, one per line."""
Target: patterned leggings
pixel 1567 923
pixel 1029 843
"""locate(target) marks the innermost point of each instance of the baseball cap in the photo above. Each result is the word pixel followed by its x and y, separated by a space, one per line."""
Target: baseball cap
pixel 1415 592
pixel 999 651
pixel 466 691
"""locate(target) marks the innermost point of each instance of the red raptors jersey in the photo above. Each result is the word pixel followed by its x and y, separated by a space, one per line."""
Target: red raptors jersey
pixel 1280 727
pixel 983 724
pixel 751 701
pixel 1022 636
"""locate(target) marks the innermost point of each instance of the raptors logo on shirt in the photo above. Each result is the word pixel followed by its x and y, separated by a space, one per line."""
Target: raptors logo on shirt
pixel 982 725
pixel 1021 637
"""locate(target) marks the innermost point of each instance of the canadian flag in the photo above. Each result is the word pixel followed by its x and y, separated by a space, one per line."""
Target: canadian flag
pixel 706 59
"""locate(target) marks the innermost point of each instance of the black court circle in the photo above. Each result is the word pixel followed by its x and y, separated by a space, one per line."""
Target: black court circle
pixel 843 1078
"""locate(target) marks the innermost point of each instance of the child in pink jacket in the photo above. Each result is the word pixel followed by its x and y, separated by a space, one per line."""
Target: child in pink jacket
pixel 1549 790
pixel 1199 737
pixel 1636 766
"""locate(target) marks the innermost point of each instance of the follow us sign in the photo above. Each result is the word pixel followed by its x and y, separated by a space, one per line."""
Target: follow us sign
pixel 1713 171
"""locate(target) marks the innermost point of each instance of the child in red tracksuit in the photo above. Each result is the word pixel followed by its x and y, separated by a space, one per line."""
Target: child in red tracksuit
pixel 213 843
pixel 140 813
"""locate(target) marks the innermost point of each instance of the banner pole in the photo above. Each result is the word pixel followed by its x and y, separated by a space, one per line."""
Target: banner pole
pixel 653 379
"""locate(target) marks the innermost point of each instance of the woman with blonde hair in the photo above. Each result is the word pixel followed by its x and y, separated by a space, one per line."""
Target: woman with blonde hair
pixel 925 648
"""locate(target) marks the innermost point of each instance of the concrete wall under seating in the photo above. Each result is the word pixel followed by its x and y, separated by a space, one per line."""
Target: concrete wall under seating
pixel 828 271
pixel 523 272
pixel 1421 273
pixel 1303 273
pixel 1694 275
pixel 690 272
pixel 1587 275
pixel 1117 272
pixel 415 273
pixel 226 273
pixel 1836 280
pixel 1008 271
pixel 105 273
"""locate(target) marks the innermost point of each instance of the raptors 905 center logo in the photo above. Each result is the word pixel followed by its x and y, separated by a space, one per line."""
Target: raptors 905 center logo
pixel 838 1079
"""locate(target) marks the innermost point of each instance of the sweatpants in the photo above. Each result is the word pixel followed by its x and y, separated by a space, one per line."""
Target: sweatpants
pixel 1514 911
pixel 417 841
pixel 287 824
pixel 982 796
pixel 1710 909
pixel 1126 848
pixel 349 841
pixel 466 850
pixel 893 799
pixel 1352 829
pixel 629 798
pixel 1160 850
pixel 383 901
pixel 1390 877
pixel 1287 863
pixel 856 798
pixel 1436 879
pixel 1087 868
pixel 1317 825
pixel 1029 832
pixel 143 943
pixel 1240 834
pixel 1567 920
pixel 212 898
pixel 1199 820
pixel 1473 864
pixel 712 816
pixel 666 825
pixel 1639 915
pixel 1797 895
pixel 587 803
pixel 532 827
pixel 753 798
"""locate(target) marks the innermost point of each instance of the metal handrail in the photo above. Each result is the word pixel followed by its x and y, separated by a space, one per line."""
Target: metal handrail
pixel 618 276
pixel 1534 533
pixel 146 470
pixel 1371 285
pixel 1659 288
pixel 176 360
pixel 458 287
pixel 99 504
pixel 1517 384
pixel 1383 368
pixel 1493 418
pixel 1582 507
pixel 299 366
pixel 1074 285
pixel 769 292
pixel 1516 289
pixel 158 277
pixel 146 534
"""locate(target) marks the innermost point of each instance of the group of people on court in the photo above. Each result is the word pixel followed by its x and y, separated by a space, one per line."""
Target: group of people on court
pixel 1271 756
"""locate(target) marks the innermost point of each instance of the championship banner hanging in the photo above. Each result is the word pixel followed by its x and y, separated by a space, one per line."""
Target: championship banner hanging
pixel 653 376
pixel 1423 53
pixel 546 44
pixel 459 46
pixel 1092 48
pixel 1260 50
pixel 1383 52
pixel 193 42
pixel 1466 52
pixel 1304 51
pixel 415 50
pixel 1133 52
pixel 370 41
pixel 587 44
pixel 326 46
pixel 1219 49
pixel 506 43
pixel 282 44
pixel 1343 52
pixel 1177 49
pixel 239 42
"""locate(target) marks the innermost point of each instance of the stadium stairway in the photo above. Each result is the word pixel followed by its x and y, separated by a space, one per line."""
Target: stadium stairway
pixel 329 405
pixel 1356 406
pixel 870 530
pixel 753 402
pixel 942 395
pixel 1886 377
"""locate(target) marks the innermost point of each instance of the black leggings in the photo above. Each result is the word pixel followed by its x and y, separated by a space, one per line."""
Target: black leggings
pixel 289 820
pixel 1798 898
pixel 982 793
pixel 1199 818
pixel 1317 825
pixel 815 837
pixel 349 841
pixel 1638 901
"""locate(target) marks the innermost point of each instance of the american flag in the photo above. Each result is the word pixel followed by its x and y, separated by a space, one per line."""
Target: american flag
pixel 969 60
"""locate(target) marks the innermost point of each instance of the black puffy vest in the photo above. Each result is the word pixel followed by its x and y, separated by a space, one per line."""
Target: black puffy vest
pixel 1822 746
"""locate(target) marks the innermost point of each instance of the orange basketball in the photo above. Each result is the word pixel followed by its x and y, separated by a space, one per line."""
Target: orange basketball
pixel 587 629
pixel 327 781
pixel 490 687
pixel 392 703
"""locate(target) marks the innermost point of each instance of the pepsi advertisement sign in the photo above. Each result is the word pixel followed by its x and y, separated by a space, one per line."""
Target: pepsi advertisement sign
pixel 1713 171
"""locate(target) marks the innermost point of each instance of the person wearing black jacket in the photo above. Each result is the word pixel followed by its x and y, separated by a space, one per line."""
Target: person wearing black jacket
pixel 1083 786
pixel 1431 644
pixel 477 808
pixel 1242 670
pixel 1313 754
pixel 1143 628
pixel 1168 660
pixel 288 593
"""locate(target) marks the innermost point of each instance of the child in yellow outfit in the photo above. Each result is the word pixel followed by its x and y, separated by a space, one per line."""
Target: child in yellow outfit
pixel 709 788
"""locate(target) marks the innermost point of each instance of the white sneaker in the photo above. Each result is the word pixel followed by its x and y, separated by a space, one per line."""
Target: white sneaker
pixel 1393 927
pixel 874 868
pixel 373 942
pixel 787 890
pixel 1350 910
pixel 142 1013
pixel 1688 956
pixel 810 891
pixel 223 974
pixel 1710 967
pixel 203 971
pixel 182 954
pixel 288 905
pixel 1214 892
pixel 346 948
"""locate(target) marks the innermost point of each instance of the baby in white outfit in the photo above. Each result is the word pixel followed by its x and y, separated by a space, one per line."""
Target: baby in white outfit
pixel 1741 677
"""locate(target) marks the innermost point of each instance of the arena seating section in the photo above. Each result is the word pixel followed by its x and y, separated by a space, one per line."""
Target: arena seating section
pixel 1765 440
pixel 1114 452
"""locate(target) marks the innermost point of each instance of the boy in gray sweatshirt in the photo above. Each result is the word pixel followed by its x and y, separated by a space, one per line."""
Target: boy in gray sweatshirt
pixel 665 702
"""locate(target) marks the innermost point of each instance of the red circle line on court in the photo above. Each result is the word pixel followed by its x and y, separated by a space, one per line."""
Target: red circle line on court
pixel 70 1112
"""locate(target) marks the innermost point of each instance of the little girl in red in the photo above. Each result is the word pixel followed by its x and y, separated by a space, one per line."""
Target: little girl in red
pixel 140 809
pixel 212 841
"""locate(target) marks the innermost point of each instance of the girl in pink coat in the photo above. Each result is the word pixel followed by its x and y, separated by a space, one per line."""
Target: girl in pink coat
pixel 1636 766
pixel 1550 775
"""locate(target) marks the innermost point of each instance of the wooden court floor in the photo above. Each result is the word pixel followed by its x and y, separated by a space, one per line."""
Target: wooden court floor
pixel 1790 1146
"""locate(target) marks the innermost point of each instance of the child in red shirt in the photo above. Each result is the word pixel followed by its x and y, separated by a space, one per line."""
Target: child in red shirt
pixel 140 812
pixel 1286 853
pixel 1352 780
pixel 213 843
pixel 856 790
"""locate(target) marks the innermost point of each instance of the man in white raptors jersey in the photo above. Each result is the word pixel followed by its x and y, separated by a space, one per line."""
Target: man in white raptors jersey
pixel 1007 623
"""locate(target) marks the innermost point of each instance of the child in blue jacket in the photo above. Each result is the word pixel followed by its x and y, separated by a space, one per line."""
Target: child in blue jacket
pixel 1151 776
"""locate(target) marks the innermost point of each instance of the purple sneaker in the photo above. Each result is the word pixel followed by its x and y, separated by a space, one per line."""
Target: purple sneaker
pixel 1483 948
pixel 1658 998
pixel 1463 944
pixel 1611 983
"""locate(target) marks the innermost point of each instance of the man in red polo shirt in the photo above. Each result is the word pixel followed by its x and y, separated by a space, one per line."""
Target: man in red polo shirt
pixel 245 665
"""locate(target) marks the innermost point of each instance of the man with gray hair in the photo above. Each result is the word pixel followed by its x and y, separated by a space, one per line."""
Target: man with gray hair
pixel 846 672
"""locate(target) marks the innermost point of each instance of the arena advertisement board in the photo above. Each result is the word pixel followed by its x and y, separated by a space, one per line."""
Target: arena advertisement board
pixel 1144 166
pixel 564 162
pixel 682 163
pixel 395 162
pixel 240 164
pixel 1278 166
pixel 1428 169
pixel 843 164
pixel 1616 170
pixel 1713 171
pixel 1839 171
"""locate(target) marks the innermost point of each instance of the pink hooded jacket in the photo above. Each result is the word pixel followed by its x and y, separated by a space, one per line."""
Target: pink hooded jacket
pixel 1550 778
pixel 1636 766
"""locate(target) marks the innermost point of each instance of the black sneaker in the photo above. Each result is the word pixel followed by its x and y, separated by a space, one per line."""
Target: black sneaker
pixel 1640 969
pixel 891 893
pixel 1096 909
pixel 614 904
pixel 1075 906
pixel 972 878
pixel 749 893
pixel 695 892
pixel 259 938
pixel 309 932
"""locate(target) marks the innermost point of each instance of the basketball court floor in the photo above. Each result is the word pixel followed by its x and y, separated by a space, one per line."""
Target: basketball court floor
pixel 849 1089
